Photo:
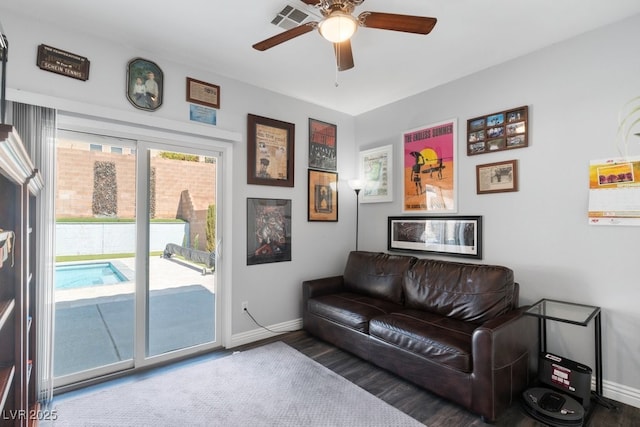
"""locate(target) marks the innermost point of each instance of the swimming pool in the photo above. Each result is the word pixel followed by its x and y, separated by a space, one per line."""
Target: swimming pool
pixel 73 276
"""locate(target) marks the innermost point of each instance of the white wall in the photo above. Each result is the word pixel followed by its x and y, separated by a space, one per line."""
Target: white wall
pixel 574 91
pixel 272 290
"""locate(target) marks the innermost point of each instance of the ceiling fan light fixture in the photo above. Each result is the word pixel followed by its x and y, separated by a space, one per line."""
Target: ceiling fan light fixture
pixel 338 27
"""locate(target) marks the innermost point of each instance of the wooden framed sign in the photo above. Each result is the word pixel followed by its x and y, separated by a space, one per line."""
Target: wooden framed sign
pixel 62 62
pixel 203 93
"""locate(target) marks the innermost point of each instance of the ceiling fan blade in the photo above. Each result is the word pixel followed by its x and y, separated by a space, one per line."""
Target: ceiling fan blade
pixel 285 36
pixel 392 21
pixel 344 55
pixel 310 2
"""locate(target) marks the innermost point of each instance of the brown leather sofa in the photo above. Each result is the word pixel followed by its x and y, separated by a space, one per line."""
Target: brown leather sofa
pixel 452 328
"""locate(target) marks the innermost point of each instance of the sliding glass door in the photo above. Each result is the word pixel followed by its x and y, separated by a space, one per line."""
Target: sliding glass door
pixel 181 287
pixel 135 254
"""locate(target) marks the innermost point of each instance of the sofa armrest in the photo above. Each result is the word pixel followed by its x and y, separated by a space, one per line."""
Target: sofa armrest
pixel 505 352
pixel 317 287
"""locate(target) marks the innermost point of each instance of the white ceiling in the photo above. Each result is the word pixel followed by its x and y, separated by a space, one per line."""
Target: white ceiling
pixel 217 35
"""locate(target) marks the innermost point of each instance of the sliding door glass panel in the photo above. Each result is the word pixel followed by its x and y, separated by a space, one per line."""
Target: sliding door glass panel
pixel 95 255
pixel 181 291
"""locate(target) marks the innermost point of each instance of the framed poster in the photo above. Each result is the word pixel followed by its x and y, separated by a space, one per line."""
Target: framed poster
pixel 144 84
pixel 499 131
pixel 270 151
pixel 322 145
pixel 199 92
pixel 322 196
pixel 449 235
pixel 376 172
pixel 499 177
pixel 268 230
pixel 429 176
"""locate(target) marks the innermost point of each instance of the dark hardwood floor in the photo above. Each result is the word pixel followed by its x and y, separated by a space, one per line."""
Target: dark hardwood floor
pixel 420 404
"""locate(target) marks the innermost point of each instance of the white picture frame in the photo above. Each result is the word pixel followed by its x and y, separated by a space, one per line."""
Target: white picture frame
pixel 429 175
pixel 376 173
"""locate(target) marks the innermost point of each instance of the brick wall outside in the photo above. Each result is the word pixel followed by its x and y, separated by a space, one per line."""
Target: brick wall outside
pixel 193 183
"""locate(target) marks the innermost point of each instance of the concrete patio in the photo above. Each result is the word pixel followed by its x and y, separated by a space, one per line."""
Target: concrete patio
pixel 94 325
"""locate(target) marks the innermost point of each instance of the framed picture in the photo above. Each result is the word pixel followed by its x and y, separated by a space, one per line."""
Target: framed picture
pixel 376 173
pixel 268 230
pixel 459 236
pixel 270 151
pixel 322 145
pixel 430 176
pixel 322 196
pixel 144 84
pixel 499 177
pixel 199 92
pixel 499 131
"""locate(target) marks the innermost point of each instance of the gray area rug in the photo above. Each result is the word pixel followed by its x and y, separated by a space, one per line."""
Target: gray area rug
pixel 273 385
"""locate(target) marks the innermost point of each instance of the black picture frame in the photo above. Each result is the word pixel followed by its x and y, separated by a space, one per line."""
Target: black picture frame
pixel 268 230
pixel 459 236
pixel 322 196
pixel 145 81
pixel 323 145
pixel 270 151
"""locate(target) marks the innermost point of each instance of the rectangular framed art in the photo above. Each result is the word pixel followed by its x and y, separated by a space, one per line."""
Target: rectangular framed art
pixel 376 172
pixel 270 151
pixel 499 177
pixel 268 230
pixel 322 145
pixel 203 93
pixel 429 175
pixel 504 130
pixel 459 236
pixel 322 196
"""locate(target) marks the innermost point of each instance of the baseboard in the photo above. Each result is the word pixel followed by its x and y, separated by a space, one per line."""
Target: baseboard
pixel 260 333
pixel 621 393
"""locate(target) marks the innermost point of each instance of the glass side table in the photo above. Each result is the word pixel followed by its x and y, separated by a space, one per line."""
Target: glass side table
pixel 576 314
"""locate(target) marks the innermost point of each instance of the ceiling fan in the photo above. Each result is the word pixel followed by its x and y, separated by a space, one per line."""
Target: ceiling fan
pixel 339 24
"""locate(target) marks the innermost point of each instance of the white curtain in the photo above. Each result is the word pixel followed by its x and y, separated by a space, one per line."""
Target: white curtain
pixel 37 128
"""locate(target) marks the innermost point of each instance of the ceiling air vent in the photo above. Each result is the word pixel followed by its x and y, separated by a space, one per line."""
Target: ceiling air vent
pixel 290 17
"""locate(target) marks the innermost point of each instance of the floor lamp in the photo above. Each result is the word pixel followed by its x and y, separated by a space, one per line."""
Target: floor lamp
pixel 356 185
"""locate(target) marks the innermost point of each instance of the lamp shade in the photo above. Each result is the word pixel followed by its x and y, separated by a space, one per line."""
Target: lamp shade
pixel 356 184
pixel 338 27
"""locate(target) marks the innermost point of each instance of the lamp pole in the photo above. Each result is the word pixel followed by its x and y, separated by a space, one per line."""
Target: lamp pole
pixel 357 190
pixel 356 185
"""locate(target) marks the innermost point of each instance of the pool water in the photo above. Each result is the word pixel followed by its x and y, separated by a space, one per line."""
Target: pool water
pixel 82 275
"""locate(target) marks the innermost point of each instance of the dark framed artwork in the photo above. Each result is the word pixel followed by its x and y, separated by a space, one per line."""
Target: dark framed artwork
pixel 504 130
pixel 459 236
pixel 270 151
pixel 499 177
pixel 144 84
pixel 322 196
pixel 323 145
pixel 268 230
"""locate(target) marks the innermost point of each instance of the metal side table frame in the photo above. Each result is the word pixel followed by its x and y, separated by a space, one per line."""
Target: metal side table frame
pixel 575 314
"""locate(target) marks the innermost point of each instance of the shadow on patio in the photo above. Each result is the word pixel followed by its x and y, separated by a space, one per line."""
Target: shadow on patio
pixel 93 330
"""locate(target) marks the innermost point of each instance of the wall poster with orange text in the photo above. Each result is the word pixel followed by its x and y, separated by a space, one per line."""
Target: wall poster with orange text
pixel 429 158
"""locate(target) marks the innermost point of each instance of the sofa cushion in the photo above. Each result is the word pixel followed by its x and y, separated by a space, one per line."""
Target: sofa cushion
pixel 471 292
pixel 350 309
pixel 438 338
pixel 377 275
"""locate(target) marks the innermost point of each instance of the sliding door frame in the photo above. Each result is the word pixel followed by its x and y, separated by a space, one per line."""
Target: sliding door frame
pixel 177 139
